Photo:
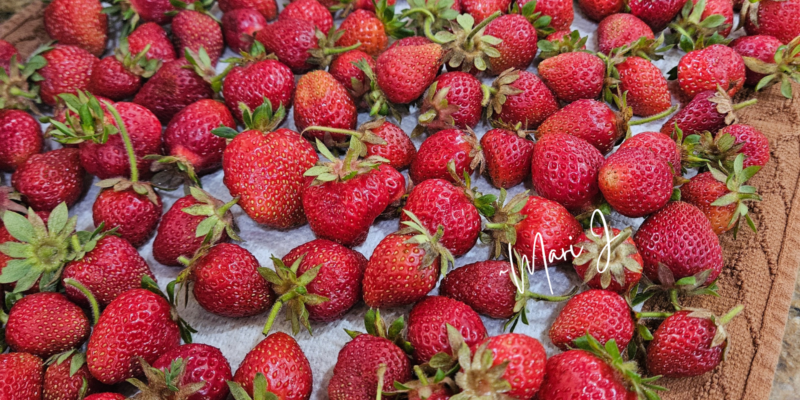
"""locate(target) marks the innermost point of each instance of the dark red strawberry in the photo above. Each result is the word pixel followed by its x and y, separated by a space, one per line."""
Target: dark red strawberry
pixel 154 35
pixel 22 375
pixel 515 362
pixel 300 45
pixel 656 14
pixel 754 145
pixel 601 313
pixel 573 75
pixel 760 47
pixel 66 376
pixel 520 97
pixel 267 8
pixel 710 110
pixel 482 9
pixel 518 42
pixel 617 30
pixel 77 22
pixel 427 329
pixel 597 10
pixel 194 29
pixel 635 182
pixel 189 136
pixel 774 18
pixel 590 120
pixel 113 80
pixel 68 69
pixel 134 215
pixel 133 11
pixel 508 156
pixel 22 138
pixel 452 101
pixel 322 101
pixel 398 149
pixel 608 259
pixel 441 149
pixel 255 78
pixel 705 69
pixel 280 360
pixel 177 84
pixel 564 169
pixel 45 324
pixel 201 363
pixel 239 27
pixel 311 11
pixel 50 178
pixel 660 144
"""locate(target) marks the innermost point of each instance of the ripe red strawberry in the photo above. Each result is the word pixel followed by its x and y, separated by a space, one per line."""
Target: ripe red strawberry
pixel 775 18
pixel 7 51
pixel 355 376
pixel 194 29
pixel 137 324
pixel 560 12
pixel 201 363
pixel 22 138
pixel 239 27
pixel 300 45
pixel 284 365
pixel 189 136
pixel 709 110
pixel 105 396
pixel 719 7
pixel 485 286
pixel 564 169
pixel 617 30
pixel 255 78
pixel 134 215
pixel 267 8
pixel 65 377
pixel 311 11
pixel 520 97
pixel 601 313
pixel 395 184
pixel 322 101
pixel 656 14
pixel 77 22
pixel 343 197
pixel 517 359
pixel 660 144
pixel 635 182
pixel 176 85
pixel 755 146
pixel 158 11
pixel 689 343
pixel 112 79
pixel 398 148
pixel 590 120
pixel 574 75
pixel 265 170
pixel 608 259
pixel 597 10
pixel 482 9
pixel 44 324
pixel 427 331
pixel 22 376
pixel 518 46
pixel 227 282
pixel 452 101
pixel 647 91
pixel 110 269
pixel 706 68
pixel 365 27
pixel 663 236
pixel 404 72
pixel 68 69
pixel 345 71
pixel 441 149
pixel 48 179
pixel 370 5
pixel 508 156
pixel 761 47
pixel 154 35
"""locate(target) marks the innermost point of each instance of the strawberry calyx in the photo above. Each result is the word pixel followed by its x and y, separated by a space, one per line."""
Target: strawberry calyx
pixel 609 255
pixel 393 25
pixel 649 49
pixel 692 33
pixel 164 384
pixel 292 291
pixel 466 46
pixel 326 49
pixel 539 21
pixel 477 376
pixel 694 285
pixel 435 113
pixel 341 170
pixel 501 228
pixel 16 91
pixel 259 390
pixel 9 201
pixel 567 44
pixel 429 244
pixel 172 172
pixel 440 12
pixel 201 64
pixel 739 193
pixel 358 138
pixel 185 329
pixel 374 97
pixel 484 203
pixel 201 6
pixel 376 326
pixel 785 69
pixel 499 91
pixel 263 119
pixel 219 217
pixel 85 119
pixel 721 337
pixel 126 12
pixel 137 64
pixel 424 387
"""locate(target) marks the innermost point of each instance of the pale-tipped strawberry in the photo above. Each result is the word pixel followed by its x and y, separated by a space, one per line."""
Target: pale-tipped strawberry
pixel 438 151
pixel 153 35
pixel 22 376
pixel 428 331
pixel 452 101
pixel 120 76
pixel 573 75
pixel 80 23
pixel 301 45
pixel 508 156
pixel 710 110
pixel 710 67
pixel 601 313
pixel 771 17
pixel 67 377
pixel 564 169
pixel 22 136
pixel 267 8
pixel 617 30
pixel 520 97
pixel 67 69
pixel 608 259
pixel 45 324
pixel 322 101
pixel 200 363
pixel 239 27
pixel 194 28
pixel 277 364
pixel 635 182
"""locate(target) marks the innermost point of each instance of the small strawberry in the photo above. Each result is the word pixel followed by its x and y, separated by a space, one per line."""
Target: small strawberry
pixel 617 30
pixel 601 313
pixel 392 281
pixel 754 145
pixel 705 69
pixel 22 138
pixel 590 120
pixel 597 10
pixel 709 110
pixel 80 23
pixel 608 259
pixel 22 376
pixel 759 47
pixel 561 12
pixel 68 378
pixel 656 14
pixel 282 362
pixel 239 27
pixel 153 35
pixel 647 91
pixel 188 135
pixel 48 179
pixel 67 69
pixel 452 101
pixel 364 27
pixel 771 17
pixel 322 101
pixel 508 156
pixel 427 331
pixel 689 343
pixel 520 97
pixel 180 233
pixel 311 11
pixel 660 144
pixel 438 151
pixel 480 10
pixel 120 205
pixel 200 363
pixel 7 52
pixel 267 8
pixel 45 324
pixel 573 75
pixel 193 28
pixel 404 72
pixel 517 46
pixel 635 182
pixel 564 169
pixel 120 76
pixel 345 70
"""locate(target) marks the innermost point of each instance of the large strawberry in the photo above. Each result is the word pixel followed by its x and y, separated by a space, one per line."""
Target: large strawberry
pixel 635 182
pixel 517 46
pixel 68 378
pixel 404 72
pixel 660 144
pixel 267 8
pixel 48 179
pixel 564 169
pixel 282 362
pixel 311 11
pixel 647 91
pixel 177 84
pixel 193 28
pixel 427 329
pixel 705 69
pixel 153 35
pixel 239 27
pixel 22 138
pixel 608 259
pixel 601 313
pixel 573 75
pixel 67 69
pixel 590 120
pixel 22 376
pixel 758 47
pixel 322 101
pixel 507 155
pixel 520 97
pixel 772 17
pixel 77 22
pixel 45 324
pixel 440 150
pixel 452 101
pixel 200 363
pixel 619 30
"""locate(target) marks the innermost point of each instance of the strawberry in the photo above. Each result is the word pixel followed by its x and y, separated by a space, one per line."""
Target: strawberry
pixel 68 69
pixel 120 76
pixel 520 97
pixel 437 202
pixel 608 259
pixel 395 184
pixel 508 156
pixel 392 281
pixel 105 396
pixel 194 29
pixel 44 324
pixel 265 170
pixel 705 69
pixel 239 27
pixel 133 11
pixel 154 35
pixel 344 69
pixel 689 343
pixel 22 136
pixel 590 120
pixel 560 42
pixel 188 134
pixel 683 226
pixel 635 182
pixel 22 375
pixel 48 179
pixel 754 145
pixel 201 363
pixel 322 101
pixel 255 77
pixel 617 30
pixel 601 313
pixel 719 7
pixel 760 47
pixel 440 387
pixel 647 92
pixel 343 197
pixel 378 138
pixel 66 376
pixel 452 101
pixel 709 110
pixel 511 361
pixel 311 11
pixel 597 10
pixel 427 331
pixel 227 282
pixel 574 75
pixel 775 18
pixel 134 215
pixel 518 41
pixel 364 27
pixel 180 233
pixel 300 45
pixel 370 5
pixel 404 72
pixel 7 52
pixel 656 14
pixel 77 22
pixel 177 84
pixel 139 324
pixel 560 12
pixel 441 149
pixel 355 376
pixel 110 269
pixel 267 8
pixel 526 220
pixel 482 9
pixel 660 144
pixel 281 361
pixel 564 169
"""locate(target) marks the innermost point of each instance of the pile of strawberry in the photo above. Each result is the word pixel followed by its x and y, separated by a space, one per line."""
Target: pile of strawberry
pixel 83 314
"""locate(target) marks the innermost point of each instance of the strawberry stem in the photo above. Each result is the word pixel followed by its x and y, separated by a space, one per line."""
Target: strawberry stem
pixel 554 299
pixel 654 117
pixel 126 140
pixel 339 50
pixel 89 296
pixel 277 308
pixel 732 313
pixel 739 106
pixel 331 130
pixel 482 25
pixel 653 314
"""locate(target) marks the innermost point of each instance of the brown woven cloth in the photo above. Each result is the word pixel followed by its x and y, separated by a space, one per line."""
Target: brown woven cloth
pixel 25 29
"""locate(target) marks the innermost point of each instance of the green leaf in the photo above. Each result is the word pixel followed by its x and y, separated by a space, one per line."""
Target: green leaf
pixel 19 227
pixel 14 271
pixel 786 87
pixel 58 218
pixel 16 249
pixel 205 226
